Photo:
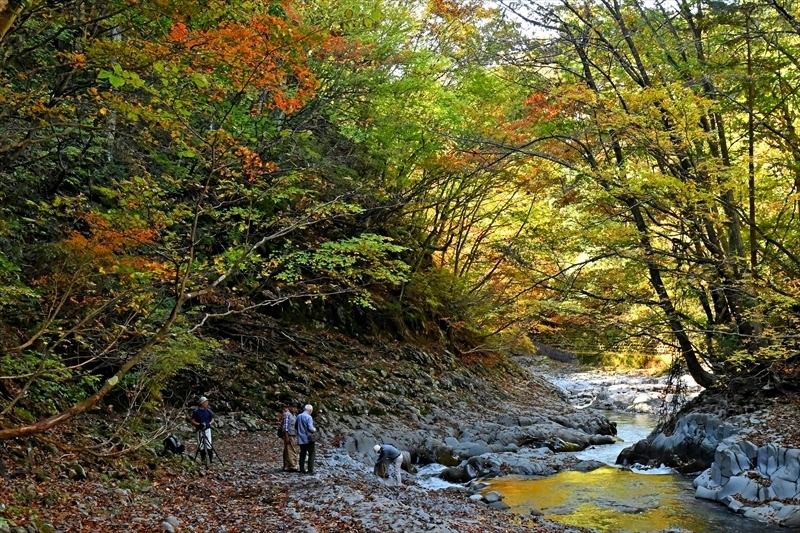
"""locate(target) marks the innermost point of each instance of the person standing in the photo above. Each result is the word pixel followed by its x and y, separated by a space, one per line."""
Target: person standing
pixel 306 438
pixel 389 454
pixel 202 417
pixel 290 449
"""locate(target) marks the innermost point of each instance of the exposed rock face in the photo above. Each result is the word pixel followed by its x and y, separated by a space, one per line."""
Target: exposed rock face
pixel 690 447
pixel 755 482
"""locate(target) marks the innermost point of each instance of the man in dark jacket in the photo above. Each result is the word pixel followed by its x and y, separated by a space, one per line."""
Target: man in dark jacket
pixel 202 417
pixel 389 454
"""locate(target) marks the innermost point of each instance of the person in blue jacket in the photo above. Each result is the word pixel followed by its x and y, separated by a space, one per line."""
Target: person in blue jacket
pixel 389 454
pixel 306 438
pixel 202 417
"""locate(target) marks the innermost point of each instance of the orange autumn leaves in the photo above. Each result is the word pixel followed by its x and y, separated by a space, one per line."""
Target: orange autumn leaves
pixel 106 244
pixel 266 53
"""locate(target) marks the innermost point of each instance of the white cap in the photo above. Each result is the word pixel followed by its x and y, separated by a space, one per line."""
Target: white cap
pixel 377 448
pixel 202 399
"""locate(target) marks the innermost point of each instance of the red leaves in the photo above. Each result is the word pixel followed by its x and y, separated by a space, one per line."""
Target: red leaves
pixel 263 53
pixel 540 107
pixel 179 33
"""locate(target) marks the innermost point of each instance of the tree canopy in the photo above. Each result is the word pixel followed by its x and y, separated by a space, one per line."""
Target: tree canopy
pixel 452 171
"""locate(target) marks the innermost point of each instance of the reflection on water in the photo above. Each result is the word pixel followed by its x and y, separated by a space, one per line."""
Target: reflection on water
pixel 607 499
pixel 614 500
pixel 631 428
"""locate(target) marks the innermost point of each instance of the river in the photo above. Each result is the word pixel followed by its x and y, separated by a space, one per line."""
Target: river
pixel 611 499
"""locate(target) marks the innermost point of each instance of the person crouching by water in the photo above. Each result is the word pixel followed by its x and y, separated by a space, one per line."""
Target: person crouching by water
pixel 306 438
pixel 290 450
pixel 202 417
pixel 389 454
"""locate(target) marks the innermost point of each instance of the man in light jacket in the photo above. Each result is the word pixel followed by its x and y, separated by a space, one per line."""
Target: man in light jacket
pixel 306 438
pixel 389 454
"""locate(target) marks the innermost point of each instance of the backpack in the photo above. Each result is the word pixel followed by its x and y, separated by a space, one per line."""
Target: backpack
pixel 174 445
pixel 280 430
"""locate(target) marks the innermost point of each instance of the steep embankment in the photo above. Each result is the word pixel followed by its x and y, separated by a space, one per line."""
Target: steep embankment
pixel 441 407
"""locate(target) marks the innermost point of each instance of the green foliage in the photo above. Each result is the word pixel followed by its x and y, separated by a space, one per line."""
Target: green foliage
pixel 360 259
pixel 146 385
pixel 253 156
pixel 53 384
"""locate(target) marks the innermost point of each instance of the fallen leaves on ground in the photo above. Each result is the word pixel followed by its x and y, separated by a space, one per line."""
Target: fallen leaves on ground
pixel 250 493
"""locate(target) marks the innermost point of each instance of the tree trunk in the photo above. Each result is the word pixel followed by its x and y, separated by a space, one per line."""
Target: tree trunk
pixel 700 375
pixel 91 401
pixel 9 11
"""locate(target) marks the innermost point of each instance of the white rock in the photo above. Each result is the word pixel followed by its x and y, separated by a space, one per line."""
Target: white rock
pixel 703 479
pixel 734 505
pixel 706 493
pixel 716 474
pixel 746 488
pixel 784 490
pixel 766 494
pixel 788 516
pixel 790 471
pixel 764 513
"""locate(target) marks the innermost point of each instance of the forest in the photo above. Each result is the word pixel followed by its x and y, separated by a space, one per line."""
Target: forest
pixel 475 175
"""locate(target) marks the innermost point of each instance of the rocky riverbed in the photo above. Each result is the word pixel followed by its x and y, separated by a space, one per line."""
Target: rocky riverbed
pixel 747 456
pixel 742 443
pixel 525 426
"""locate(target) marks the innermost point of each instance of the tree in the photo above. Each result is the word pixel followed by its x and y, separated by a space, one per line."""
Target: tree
pixel 193 195
pixel 644 140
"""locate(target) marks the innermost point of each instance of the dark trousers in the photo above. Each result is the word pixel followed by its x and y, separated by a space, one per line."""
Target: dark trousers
pixel 310 450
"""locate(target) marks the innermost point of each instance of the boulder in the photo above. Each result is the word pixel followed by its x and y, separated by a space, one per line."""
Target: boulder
pixel 693 441
pixel 476 449
pixel 499 505
pixel 587 466
pixel 456 474
pixel 743 473
pixel 788 516
pixel 493 496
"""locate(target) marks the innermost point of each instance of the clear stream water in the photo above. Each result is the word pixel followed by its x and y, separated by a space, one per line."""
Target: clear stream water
pixel 613 499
